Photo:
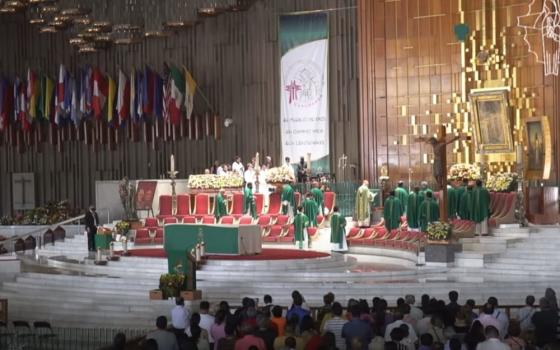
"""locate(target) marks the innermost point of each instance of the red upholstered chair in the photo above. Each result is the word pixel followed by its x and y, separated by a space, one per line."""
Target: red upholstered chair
pixel 354 233
pixel 366 237
pixel 245 220
pixel 274 233
pixel 320 220
pixel 329 201
pixel 158 239
pixel 259 202
pixel 165 206
pixel 189 219
pixel 282 220
pixel 297 198
pixel 227 220
pixel 151 222
pixel 201 206
pixel 142 236
pixel 274 204
pixel 264 221
pixel 312 231
pixel 170 220
pixel 183 206
pixel 209 219
pixel 236 209
pixel 288 235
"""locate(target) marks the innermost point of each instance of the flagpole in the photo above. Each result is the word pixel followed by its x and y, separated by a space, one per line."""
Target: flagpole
pixel 205 100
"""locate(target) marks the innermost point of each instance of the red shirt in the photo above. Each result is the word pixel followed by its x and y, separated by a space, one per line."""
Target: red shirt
pixel 249 340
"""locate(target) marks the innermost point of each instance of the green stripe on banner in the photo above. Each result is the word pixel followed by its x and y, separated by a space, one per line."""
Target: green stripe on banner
pixel 295 30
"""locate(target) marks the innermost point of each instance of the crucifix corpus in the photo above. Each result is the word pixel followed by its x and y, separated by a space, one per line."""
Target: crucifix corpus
pixel 439 168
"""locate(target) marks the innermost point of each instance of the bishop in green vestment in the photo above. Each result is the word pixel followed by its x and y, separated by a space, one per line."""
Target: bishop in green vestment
pixel 481 208
pixel 402 194
pixel 288 199
pixel 220 208
pixel 318 197
pixel 249 201
pixel 429 212
pixel 301 221
pixel 451 202
pixel 364 198
pixel 414 202
pixel 466 204
pixel 338 231
pixel 459 191
pixel 392 212
pixel 310 209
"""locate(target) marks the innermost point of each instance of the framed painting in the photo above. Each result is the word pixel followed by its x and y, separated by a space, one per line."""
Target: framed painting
pixel 491 119
pixel 145 194
pixel 538 158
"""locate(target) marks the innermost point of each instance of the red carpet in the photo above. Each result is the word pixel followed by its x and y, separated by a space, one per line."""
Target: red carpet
pixel 266 254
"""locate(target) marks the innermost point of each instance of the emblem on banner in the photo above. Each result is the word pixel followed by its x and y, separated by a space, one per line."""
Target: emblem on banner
pixel 305 86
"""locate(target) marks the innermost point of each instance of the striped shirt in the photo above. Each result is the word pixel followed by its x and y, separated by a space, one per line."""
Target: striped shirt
pixel 334 325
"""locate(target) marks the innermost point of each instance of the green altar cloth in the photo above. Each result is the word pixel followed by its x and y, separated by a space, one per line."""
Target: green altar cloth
pixel 103 241
pixel 218 239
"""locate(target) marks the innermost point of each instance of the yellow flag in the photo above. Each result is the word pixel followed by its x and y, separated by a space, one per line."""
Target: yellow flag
pixel 49 90
pixel 190 89
pixel 111 99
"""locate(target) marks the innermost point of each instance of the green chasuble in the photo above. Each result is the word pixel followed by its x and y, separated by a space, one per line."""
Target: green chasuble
pixel 402 195
pixel 458 195
pixel 451 201
pixel 363 201
pixel 481 204
pixel 429 212
pixel 392 212
pixel 288 196
pixel 300 223
pixel 220 208
pixel 318 196
pixel 338 229
pixel 310 210
pixel 422 194
pixel 249 202
pixel 412 212
pixel 465 205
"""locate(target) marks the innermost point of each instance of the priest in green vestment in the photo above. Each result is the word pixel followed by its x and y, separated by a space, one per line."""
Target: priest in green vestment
pixel 423 190
pixel 318 197
pixel 310 209
pixel 459 191
pixel 301 221
pixel 392 212
pixel 364 198
pixel 451 202
pixel 220 207
pixel 288 200
pixel 414 202
pixel 429 211
pixel 481 208
pixel 466 204
pixel 338 231
pixel 249 205
pixel 402 194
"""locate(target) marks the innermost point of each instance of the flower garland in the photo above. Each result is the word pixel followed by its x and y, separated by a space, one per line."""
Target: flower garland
pixel 438 231
pixel 464 171
pixel 503 182
pixel 211 181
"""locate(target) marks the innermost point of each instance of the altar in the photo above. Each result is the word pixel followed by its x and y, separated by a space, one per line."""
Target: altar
pixel 218 239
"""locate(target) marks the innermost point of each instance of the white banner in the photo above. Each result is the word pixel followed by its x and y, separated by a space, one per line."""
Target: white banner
pixel 304 104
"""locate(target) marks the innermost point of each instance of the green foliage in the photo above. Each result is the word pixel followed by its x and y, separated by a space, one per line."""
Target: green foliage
pixel 122 227
pixel 438 231
pixel 172 284
pixel 49 214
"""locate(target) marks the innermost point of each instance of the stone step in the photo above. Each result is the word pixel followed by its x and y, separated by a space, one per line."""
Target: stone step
pixel 116 283
pixel 131 296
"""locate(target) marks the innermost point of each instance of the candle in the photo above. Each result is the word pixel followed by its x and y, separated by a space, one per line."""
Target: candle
pixel 519 153
pixel 172 163
pixel 257 160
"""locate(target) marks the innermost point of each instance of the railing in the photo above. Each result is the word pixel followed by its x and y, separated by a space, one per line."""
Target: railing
pixel 36 338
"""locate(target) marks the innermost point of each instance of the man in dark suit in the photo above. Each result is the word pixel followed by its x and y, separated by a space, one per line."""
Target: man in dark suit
pixel 92 220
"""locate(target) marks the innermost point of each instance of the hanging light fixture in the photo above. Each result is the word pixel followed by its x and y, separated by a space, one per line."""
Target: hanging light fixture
pixel 153 19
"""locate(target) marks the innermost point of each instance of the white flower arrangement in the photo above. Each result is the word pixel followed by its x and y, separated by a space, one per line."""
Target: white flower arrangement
pixel 464 171
pixel 211 181
pixel 503 182
pixel 438 231
pixel 279 175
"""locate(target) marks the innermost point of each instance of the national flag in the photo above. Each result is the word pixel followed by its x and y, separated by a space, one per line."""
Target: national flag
pixel 59 100
pixel 123 98
pixel 112 90
pixel 75 113
pixel 132 105
pixel 6 102
pixel 99 95
pixel 17 102
pixel 190 89
pixel 166 94
pixel 158 96
pixel 148 91
pixel 86 91
pixel 48 99
pixel 32 93
pixel 67 94
pixel 22 111
pixel 139 95
pixel 176 94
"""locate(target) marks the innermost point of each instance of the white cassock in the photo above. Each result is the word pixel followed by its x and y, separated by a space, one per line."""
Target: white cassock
pixel 249 177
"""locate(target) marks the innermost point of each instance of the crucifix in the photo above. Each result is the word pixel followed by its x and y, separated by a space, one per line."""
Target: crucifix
pixel 439 168
pixel 22 180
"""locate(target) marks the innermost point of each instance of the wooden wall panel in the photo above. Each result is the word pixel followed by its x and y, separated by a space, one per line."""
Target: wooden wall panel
pixel 233 58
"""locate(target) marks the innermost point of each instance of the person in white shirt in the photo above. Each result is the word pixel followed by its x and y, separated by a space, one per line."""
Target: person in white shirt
pixel 335 324
pixel 180 316
pixel 206 320
pixel 237 166
pixel 486 318
pixel 500 315
pixel 398 321
pixel 415 312
pixel 249 175
pixel 526 313
pixel 287 165
pixel 220 170
pixel 492 341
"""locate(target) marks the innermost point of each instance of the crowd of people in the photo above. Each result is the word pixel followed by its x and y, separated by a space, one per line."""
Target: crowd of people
pixel 431 325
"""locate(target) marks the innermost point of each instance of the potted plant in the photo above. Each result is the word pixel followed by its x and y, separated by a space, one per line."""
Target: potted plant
pixel 122 228
pixel 171 284
pixel 439 248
